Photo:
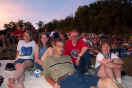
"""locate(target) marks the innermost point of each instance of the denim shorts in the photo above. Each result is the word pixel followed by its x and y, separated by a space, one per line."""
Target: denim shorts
pixel 78 80
pixel 23 60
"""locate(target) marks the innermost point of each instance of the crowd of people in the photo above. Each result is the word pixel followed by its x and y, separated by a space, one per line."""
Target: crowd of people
pixel 64 58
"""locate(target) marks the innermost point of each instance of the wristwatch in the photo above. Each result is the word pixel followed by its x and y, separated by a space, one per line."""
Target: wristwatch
pixel 79 55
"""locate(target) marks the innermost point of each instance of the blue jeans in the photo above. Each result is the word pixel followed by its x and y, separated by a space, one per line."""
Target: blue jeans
pixel 78 80
pixel 85 63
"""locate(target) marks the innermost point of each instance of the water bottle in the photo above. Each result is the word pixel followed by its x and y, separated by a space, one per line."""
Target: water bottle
pixel 37 73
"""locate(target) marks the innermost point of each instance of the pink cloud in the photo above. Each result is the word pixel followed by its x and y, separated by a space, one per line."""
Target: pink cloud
pixel 13 12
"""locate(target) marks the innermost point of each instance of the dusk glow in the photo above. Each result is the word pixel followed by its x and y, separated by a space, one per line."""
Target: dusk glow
pixel 35 10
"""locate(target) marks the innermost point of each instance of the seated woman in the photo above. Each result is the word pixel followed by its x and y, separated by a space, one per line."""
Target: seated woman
pixel 49 51
pixel 40 49
pixel 108 65
pixel 59 71
pixel 24 60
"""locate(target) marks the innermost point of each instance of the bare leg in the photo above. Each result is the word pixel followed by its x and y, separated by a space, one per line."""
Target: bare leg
pixel 19 71
pixel 19 74
pixel 101 73
pixel 26 65
pixel 109 72
pixel 106 83
pixel 20 81
pixel 117 72
pixel 116 68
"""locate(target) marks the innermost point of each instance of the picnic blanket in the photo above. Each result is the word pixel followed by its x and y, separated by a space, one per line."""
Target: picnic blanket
pixel 30 80
pixel 33 82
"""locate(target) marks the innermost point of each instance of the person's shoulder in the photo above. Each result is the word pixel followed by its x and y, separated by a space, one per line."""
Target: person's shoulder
pixel 99 54
pixel 50 48
pixel 36 45
pixel 33 42
pixel 81 41
pixel 67 41
pixel 21 41
pixel 113 55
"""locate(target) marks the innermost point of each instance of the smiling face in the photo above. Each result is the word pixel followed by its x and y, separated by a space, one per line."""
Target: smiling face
pixel 74 36
pixel 44 39
pixel 27 36
pixel 105 48
pixel 59 48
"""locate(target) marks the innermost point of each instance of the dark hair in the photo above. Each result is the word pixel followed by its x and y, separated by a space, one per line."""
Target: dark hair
pixel 59 40
pixel 40 43
pixel 64 34
pixel 105 42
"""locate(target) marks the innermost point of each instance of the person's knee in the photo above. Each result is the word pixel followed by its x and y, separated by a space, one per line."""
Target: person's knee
pixel 18 66
pixel 27 64
pixel 101 73
pixel 107 69
pixel 106 83
pixel 109 72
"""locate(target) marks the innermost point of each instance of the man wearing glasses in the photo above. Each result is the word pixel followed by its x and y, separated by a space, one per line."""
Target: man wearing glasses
pixel 77 49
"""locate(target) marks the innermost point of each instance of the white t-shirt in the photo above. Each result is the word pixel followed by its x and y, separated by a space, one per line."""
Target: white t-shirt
pixel 100 57
pixel 26 50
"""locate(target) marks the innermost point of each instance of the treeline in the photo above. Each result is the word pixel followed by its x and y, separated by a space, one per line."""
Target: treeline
pixel 108 16
pixel 103 16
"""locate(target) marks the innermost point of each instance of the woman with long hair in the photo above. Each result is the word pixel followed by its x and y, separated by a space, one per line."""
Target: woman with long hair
pixel 24 60
pixel 40 49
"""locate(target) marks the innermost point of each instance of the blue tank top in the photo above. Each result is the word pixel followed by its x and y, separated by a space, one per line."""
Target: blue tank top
pixel 41 51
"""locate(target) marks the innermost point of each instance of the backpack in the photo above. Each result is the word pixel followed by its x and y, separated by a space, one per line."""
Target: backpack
pixel 1 80
pixel 10 67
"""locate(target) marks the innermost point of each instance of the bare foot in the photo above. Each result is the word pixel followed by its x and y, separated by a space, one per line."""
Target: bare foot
pixel 11 83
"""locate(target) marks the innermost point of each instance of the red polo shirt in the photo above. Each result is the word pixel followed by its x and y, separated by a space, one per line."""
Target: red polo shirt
pixel 73 51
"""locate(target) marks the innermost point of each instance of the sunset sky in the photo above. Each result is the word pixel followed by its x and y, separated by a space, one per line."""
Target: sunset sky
pixel 35 10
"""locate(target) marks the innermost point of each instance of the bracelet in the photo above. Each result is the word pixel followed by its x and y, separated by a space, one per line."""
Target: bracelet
pixel 80 55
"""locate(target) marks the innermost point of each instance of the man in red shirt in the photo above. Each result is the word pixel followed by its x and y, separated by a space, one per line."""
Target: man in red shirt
pixel 78 50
